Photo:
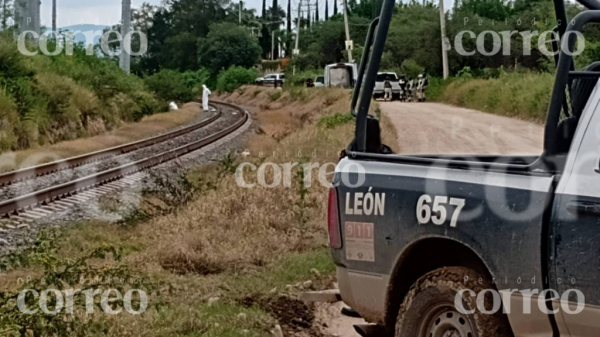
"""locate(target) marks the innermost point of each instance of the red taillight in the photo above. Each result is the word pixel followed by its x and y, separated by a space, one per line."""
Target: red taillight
pixel 333 221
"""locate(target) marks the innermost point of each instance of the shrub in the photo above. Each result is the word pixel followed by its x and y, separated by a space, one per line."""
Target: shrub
pixel 299 79
pixel 330 122
pixel 523 95
pixel 234 77
pixel 9 120
pixel 49 99
pixel 275 96
pixel 195 79
pixel 169 85
pixel 60 119
pixel 147 105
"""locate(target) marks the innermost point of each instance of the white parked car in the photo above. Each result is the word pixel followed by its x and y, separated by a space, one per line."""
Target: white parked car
pixel 271 80
pixel 320 81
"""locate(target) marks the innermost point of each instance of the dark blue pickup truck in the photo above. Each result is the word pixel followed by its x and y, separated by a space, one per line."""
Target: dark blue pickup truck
pixel 474 246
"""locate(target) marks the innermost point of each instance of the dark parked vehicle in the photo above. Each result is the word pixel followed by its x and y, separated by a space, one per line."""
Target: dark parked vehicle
pixel 422 243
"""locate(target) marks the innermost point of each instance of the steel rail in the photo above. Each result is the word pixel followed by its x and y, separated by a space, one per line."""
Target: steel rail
pixel 51 194
pixel 10 177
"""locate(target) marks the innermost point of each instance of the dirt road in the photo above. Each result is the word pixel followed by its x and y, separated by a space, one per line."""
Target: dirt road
pixel 433 128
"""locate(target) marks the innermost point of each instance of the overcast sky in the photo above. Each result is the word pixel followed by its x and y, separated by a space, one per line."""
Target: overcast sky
pixel 103 12
pixel 108 12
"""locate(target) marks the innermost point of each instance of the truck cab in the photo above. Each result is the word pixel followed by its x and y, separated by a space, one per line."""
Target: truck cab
pixel 474 246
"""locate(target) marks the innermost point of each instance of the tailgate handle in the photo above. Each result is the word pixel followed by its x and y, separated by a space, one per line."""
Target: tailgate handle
pixel 583 207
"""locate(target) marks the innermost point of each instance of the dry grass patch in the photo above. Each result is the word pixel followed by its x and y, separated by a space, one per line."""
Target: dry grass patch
pixel 129 132
pixel 246 246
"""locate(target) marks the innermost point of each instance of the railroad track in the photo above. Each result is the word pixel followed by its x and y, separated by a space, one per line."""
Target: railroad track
pixel 11 177
pixel 19 211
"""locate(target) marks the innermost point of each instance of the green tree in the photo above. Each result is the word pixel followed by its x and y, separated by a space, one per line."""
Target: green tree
pixel 493 9
pixel 228 45
pixel 234 77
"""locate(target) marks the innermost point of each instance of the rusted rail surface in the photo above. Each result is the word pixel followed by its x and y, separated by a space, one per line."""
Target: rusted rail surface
pixel 8 178
pixel 48 195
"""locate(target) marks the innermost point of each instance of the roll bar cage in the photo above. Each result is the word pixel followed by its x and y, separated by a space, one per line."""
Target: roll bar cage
pixel 565 73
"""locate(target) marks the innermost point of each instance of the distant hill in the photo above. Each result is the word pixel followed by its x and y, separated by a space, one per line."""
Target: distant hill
pixel 88 29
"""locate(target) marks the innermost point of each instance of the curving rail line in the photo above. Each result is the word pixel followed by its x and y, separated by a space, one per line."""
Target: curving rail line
pixel 54 194
pixel 10 177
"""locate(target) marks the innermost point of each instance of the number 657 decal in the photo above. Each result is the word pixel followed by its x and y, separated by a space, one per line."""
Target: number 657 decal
pixel 437 213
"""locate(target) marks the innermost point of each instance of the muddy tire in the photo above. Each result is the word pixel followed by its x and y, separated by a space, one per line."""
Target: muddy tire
pixel 428 309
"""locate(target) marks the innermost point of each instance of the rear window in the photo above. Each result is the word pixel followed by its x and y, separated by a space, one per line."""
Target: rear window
pixel 383 77
pixel 340 77
pixel 320 79
pixel 282 77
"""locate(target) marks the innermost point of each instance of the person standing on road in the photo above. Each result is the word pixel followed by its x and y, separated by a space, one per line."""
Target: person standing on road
pixel 387 87
pixel 205 93
pixel 409 89
pixel 421 86
pixel 402 83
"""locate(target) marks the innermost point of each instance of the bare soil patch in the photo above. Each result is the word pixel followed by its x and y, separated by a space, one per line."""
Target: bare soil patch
pixel 433 128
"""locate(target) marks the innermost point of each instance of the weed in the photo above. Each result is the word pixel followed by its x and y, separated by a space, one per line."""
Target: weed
pixel 59 273
pixel 228 165
pixel 330 100
pixel 298 94
pixel 45 243
pixel 301 202
pixel 169 193
pixel 330 122
pixel 275 96
pixel 523 95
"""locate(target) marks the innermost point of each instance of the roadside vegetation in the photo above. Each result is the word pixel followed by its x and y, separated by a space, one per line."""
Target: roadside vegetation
pixel 125 133
pixel 44 100
pixel 227 268
pixel 521 95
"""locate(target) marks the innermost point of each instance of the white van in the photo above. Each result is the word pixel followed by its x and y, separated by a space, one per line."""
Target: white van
pixel 341 75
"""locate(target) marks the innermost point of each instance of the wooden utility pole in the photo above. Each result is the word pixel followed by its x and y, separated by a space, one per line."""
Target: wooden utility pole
pixel 326 10
pixel 125 57
pixel 446 71
pixel 240 13
pixel 348 41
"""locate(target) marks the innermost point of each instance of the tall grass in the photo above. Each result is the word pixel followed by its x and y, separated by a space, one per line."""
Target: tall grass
pixel 521 95
pixel 44 100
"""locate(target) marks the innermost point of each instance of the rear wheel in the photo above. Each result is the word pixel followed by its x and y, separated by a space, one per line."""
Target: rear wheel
pixel 429 307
